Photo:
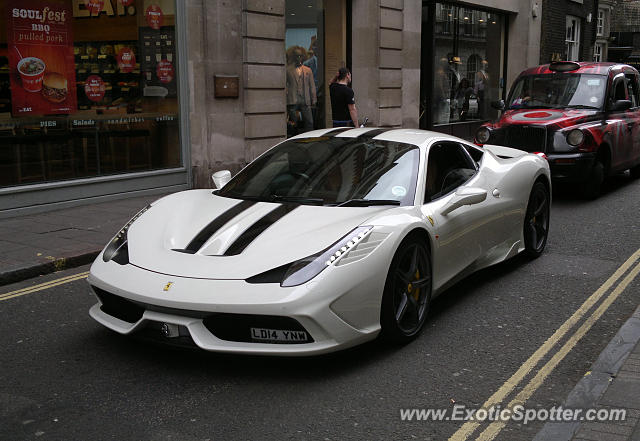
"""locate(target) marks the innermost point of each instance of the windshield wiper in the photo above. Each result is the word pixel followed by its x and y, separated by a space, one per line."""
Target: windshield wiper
pixel 297 199
pixel 581 106
pixel 367 202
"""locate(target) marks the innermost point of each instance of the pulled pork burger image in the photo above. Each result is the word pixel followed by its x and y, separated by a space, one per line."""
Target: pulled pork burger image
pixel 54 87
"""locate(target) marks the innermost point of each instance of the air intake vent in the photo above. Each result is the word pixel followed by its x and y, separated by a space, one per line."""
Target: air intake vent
pixel 363 249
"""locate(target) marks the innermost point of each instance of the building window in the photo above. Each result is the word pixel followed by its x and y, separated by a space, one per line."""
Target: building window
pixel 89 91
pixel 445 18
pixel 467 66
pixel 597 52
pixel 600 23
pixel 572 40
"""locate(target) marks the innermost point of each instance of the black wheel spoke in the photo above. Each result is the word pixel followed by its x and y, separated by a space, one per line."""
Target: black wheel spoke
pixel 421 283
pixel 402 307
pixel 533 234
pixel 542 207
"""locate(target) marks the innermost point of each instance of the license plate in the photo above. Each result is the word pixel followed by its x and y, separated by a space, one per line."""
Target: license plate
pixel 262 334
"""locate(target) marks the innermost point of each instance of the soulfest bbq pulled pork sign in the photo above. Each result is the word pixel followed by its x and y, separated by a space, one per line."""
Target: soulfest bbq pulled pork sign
pixel 40 48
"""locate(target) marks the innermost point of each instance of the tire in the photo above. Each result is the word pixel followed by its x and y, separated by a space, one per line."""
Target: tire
pixel 536 221
pixel 593 184
pixel 407 292
pixel 635 172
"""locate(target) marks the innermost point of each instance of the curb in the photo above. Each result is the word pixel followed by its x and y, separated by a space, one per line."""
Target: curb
pixel 596 381
pixel 59 264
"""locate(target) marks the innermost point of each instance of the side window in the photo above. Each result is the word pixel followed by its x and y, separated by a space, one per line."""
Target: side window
pixel 474 152
pixel 619 89
pixel 632 88
pixel 448 167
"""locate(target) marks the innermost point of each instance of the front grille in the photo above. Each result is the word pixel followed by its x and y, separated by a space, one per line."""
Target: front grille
pixel 119 307
pixel 237 327
pixel 527 138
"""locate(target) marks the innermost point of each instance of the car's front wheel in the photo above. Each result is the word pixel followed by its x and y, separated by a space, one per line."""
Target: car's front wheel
pixel 593 184
pixel 536 220
pixel 407 291
pixel 635 172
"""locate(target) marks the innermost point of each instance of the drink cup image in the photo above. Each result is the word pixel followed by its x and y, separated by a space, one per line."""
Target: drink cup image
pixel 31 73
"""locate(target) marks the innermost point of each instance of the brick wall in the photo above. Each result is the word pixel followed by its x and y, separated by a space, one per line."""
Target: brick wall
pixel 554 16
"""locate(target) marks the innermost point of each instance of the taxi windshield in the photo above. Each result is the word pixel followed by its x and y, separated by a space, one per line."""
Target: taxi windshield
pixel 558 91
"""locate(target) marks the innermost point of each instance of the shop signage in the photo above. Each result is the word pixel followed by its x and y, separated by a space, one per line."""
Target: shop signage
pixel 164 71
pixel 126 60
pixel 154 16
pixel 40 52
pixel 94 88
pixel 95 7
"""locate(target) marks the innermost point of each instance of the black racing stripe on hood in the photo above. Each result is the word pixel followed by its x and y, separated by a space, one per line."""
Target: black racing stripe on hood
pixel 336 132
pixel 371 134
pixel 257 228
pixel 208 231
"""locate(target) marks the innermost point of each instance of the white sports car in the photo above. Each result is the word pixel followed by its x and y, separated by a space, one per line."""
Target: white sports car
pixel 325 241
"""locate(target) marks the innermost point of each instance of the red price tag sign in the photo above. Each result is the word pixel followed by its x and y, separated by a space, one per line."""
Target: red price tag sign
pixel 154 16
pixel 165 71
pixel 94 6
pixel 126 60
pixel 95 88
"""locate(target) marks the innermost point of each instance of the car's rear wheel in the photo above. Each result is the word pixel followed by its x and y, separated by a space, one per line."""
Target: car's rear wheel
pixel 407 292
pixel 536 220
pixel 593 184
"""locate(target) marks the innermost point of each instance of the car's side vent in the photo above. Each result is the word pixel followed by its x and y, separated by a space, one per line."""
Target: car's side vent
pixel 363 248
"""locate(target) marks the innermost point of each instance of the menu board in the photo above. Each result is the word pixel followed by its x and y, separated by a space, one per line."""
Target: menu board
pixel 41 60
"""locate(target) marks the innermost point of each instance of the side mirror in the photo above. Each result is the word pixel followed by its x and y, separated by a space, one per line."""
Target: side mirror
pixel 621 106
pixel 220 178
pixel 464 196
pixel 498 105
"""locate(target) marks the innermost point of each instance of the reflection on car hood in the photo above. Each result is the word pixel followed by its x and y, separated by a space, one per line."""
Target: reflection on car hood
pixel 197 234
pixel 545 117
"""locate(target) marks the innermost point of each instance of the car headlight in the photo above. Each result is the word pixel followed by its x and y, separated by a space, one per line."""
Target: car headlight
pixel 306 269
pixel 482 135
pixel 575 137
pixel 117 248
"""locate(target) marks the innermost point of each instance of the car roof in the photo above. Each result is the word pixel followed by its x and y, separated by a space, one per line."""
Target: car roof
pixel 585 67
pixel 408 136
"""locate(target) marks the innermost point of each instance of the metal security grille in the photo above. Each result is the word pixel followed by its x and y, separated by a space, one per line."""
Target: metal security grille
pixel 530 139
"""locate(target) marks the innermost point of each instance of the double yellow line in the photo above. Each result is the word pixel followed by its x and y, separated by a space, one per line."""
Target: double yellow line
pixel 46 285
pixel 501 394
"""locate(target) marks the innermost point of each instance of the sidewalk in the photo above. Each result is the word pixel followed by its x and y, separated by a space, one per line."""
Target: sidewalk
pixel 612 383
pixel 38 244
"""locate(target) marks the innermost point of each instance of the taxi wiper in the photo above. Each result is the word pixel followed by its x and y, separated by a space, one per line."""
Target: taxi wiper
pixel 297 199
pixel 581 106
pixel 367 202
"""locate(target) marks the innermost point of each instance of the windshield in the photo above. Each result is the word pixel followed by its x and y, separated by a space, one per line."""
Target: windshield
pixel 330 171
pixel 558 91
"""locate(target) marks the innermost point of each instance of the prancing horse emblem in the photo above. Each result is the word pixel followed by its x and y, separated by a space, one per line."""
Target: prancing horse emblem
pixel 167 286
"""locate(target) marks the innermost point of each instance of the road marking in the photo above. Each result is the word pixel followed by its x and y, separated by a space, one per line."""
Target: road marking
pixel 469 427
pixel 45 285
pixel 494 428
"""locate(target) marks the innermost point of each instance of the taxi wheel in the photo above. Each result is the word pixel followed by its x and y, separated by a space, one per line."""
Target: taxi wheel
pixel 407 292
pixel 635 172
pixel 593 184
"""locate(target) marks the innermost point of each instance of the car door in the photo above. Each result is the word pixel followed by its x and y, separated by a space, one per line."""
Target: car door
pixel 461 234
pixel 633 118
pixel 620 125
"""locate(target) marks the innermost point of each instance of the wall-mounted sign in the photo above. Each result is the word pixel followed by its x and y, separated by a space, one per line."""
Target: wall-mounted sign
pixel 95 7
pixel 41 62
pixel 154 16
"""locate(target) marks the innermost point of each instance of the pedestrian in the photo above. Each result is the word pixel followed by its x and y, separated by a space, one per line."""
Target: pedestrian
pixel 301 89
pixel 343 102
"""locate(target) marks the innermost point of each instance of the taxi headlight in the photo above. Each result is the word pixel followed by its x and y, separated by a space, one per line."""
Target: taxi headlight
pixel 575 137
pixel 482 135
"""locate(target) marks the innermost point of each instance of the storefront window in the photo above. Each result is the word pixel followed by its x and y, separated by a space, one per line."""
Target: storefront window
pixel 467 64
pixel 87 88
pixel 304 42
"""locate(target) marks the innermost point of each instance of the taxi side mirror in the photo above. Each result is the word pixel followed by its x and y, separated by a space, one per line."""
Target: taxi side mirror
pixel 498 105
pixel 620 106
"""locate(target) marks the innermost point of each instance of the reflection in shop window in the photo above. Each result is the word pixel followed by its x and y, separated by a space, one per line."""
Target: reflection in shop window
pixel 467 65
pixel 305 66
pixel 89 91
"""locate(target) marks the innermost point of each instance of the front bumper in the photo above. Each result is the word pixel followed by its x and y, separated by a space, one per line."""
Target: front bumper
pixel 571 167
pixel 324 308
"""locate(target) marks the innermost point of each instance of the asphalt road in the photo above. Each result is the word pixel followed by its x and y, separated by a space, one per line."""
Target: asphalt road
pixel 64 377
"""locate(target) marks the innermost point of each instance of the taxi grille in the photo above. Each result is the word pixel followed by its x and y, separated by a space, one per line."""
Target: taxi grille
pixel 529 139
